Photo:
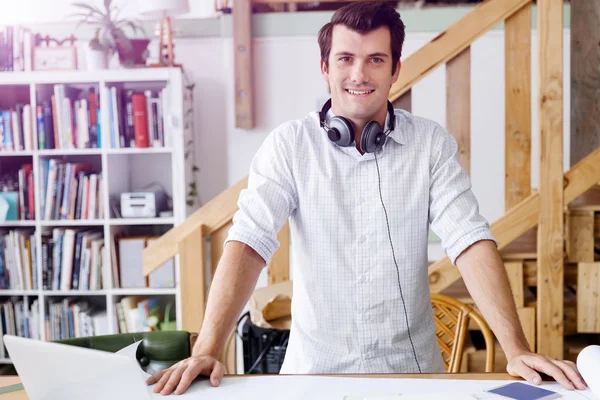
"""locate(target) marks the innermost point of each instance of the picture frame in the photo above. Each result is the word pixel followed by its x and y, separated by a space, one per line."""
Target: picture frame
pixel 54 57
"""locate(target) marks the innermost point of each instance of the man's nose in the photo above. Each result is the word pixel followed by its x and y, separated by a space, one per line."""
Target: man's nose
pixel 359 73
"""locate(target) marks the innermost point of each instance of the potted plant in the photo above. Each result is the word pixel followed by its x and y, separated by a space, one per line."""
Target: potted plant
pixel 110 37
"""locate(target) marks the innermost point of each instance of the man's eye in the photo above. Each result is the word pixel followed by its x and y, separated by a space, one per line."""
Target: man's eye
pixel 345 59
pixel 377 60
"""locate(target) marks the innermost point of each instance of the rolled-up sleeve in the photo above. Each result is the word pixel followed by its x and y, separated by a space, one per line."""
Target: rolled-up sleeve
pixel 454 210
pixel 269 199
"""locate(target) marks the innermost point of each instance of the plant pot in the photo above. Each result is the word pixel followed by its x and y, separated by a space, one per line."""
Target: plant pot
pixel 136 55
pixel 96 59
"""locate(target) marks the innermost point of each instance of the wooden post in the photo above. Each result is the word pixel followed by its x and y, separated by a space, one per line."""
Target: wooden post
pixel 588 302
pixel 404 102
pixel 279 267
pixel 550 229
pixel 458 105
pixel 193 291
pixel 242 51
pixel 585 85
pixel 517 67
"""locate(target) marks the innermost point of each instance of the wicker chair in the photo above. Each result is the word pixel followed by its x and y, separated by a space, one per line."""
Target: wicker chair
pixel 451 319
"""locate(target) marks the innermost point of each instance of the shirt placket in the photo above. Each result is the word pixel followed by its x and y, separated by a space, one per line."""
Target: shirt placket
pixel 364 257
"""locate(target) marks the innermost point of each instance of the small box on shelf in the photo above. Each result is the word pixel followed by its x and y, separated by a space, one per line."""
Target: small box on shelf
pixel 17 190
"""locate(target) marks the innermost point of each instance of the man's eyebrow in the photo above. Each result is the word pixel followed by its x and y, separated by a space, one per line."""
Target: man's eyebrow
pixel 347 53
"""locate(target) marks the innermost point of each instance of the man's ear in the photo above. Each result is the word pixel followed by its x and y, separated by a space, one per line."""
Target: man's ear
pixel 397 72
pixel 324 71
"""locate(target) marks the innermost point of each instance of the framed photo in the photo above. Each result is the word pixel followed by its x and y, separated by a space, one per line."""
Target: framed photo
pixel 54 58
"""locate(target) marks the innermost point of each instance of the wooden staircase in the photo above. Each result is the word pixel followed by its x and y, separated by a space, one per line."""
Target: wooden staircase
pixel 560 214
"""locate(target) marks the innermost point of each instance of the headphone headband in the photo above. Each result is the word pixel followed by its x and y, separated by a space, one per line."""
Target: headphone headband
pixel 327 106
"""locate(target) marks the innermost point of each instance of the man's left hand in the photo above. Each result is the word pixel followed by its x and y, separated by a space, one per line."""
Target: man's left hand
pixel 527 365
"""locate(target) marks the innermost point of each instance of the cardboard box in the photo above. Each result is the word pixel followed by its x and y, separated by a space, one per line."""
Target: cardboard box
pixel 271 306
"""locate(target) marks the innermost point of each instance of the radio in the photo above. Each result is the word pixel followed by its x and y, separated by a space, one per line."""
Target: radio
pixel 142 204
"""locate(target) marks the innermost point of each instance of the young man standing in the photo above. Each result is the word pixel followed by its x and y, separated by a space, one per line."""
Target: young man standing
pixel 360 183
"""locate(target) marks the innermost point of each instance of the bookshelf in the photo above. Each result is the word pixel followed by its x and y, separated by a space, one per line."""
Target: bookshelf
pixel 90 220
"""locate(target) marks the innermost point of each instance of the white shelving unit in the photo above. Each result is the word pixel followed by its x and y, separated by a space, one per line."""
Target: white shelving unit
pixel 123 169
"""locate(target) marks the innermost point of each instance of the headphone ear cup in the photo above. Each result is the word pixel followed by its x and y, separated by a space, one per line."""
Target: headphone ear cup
pixel 343 134
pixel 372 137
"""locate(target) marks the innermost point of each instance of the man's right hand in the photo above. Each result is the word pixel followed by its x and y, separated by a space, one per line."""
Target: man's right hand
pixel 180 376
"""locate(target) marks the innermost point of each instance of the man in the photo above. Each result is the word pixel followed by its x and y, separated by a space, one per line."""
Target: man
pixel 360 194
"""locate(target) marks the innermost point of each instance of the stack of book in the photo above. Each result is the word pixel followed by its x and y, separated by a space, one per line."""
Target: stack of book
pixel 18 266
pixel 136 118
pixel 73 259
pixel 66 319
pixel 19 318
pixel 71 190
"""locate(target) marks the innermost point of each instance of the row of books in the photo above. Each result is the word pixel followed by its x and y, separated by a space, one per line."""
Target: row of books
pixel 68 319
pixel 136 118
pixel 72 191
pixel 73 259
pixel 133 314
pixel 16 132
pixel 70 119
pixel 18 265
pixel 15 48
pixel 19 318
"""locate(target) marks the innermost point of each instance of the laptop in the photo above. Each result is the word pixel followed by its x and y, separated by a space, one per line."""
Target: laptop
pixel 58 371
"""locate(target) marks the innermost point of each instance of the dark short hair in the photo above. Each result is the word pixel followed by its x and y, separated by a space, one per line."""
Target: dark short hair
pixel 363 17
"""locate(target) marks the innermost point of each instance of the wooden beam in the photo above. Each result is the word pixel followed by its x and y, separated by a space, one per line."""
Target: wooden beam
pixel 193 292
pixel 580 236
pixel 585 85
pixel 514 270
pixel 551 218
pixel 588 302
pixel 279 267
pixel 242 51
pixel 458 105
pixel 404 102
pixel 522 218
pixel 454 40
pixel 517 99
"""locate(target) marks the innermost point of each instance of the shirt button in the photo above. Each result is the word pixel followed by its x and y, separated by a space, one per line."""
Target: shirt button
pixel 362 239
pixel 365 317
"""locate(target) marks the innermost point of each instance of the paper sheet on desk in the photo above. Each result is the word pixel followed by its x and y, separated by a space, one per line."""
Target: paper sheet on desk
pixel 336 388
pixel 131 351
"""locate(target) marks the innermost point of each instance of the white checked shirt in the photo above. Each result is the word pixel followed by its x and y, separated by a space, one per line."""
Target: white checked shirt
pixel 347 313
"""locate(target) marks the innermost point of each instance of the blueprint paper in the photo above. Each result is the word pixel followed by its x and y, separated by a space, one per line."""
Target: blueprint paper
pixel 337 388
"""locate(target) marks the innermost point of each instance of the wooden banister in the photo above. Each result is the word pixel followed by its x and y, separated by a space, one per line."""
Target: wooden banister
pixel 523 217
pixel 210 217
pixel 453 41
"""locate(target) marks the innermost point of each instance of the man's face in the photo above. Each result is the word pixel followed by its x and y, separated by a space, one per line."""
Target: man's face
pixel 360 72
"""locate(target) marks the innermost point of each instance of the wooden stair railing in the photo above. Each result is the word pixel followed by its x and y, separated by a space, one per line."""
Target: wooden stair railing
pixel 524 216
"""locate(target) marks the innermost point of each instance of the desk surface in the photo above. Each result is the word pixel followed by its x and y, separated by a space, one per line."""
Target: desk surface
pixel 6 381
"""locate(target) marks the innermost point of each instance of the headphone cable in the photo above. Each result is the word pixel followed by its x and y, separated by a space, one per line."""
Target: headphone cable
pixel 397 269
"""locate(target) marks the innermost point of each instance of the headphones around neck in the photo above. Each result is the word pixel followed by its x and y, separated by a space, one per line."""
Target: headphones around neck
pixel 341 131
